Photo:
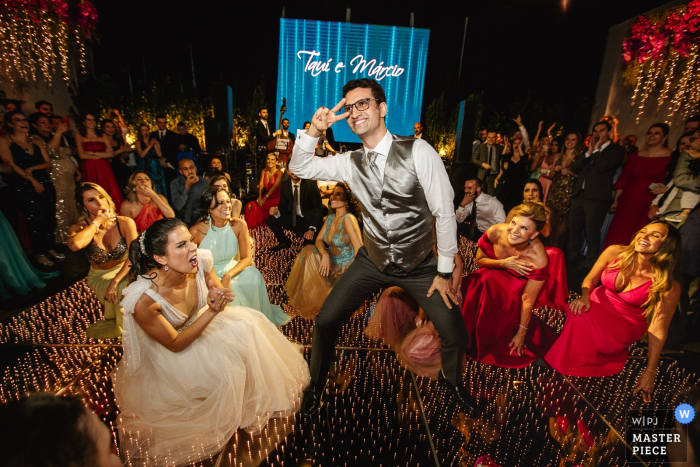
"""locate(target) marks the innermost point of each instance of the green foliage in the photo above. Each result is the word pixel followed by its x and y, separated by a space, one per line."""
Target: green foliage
pixel 248 117
pixel 441 126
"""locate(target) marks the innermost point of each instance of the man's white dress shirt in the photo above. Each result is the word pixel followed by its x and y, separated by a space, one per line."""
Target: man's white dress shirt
pixel 489 211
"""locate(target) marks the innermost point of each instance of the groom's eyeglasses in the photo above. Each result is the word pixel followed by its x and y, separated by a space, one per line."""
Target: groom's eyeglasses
pixel 361 104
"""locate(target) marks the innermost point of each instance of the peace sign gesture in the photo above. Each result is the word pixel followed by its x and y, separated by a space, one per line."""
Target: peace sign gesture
pixel 324 118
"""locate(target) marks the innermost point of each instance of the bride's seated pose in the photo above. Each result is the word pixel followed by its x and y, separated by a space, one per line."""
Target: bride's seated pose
pixel 194 369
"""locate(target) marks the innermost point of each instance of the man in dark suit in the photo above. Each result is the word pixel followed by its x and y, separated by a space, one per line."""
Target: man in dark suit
pixel 264 133
pixel 488 158
pixel 284 133
pixel 300 210
pixel 419 134
pixel 168 146
pixel 593 192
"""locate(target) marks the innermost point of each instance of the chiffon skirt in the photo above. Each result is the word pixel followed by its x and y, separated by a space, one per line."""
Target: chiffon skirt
pixel 306 288
pixel 180 407
pixel 98 280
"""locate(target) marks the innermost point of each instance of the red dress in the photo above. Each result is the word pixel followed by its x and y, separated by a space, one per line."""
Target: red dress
pixel 634 202
pixel 596 342
pixel 99 171
pixel 255 215
pixel 148 215
pixel 491 309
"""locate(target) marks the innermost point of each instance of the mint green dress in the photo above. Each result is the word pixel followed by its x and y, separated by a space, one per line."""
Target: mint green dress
pixel 248 285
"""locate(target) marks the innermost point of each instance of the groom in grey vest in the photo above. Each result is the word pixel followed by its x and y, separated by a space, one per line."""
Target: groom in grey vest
pixel 401 184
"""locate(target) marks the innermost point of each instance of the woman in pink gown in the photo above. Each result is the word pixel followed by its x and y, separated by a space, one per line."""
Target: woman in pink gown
pixel 517 275
pixel 632 194
pixel 257 212
pixel 640 285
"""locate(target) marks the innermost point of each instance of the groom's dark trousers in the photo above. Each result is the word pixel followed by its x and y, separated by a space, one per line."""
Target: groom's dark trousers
pixel 358 283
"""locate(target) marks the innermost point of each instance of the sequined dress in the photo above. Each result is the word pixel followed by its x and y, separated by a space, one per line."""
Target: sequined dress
pixel 559 202
pixel 306 288
pixel 63 177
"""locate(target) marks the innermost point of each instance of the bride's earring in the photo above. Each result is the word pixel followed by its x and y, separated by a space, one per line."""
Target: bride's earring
pixel 166 266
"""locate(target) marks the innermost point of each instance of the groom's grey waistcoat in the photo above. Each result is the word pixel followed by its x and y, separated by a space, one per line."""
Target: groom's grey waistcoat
pixel 396 212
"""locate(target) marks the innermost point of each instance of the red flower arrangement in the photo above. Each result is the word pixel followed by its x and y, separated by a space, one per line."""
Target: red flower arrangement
pixel 684 28
pixel 647 41
pixel 81 14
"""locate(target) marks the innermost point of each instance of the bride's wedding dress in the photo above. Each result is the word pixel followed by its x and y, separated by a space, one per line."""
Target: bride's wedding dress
pixel 178 408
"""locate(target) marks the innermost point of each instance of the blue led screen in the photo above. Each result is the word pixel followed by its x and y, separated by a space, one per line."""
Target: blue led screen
pixel 317 58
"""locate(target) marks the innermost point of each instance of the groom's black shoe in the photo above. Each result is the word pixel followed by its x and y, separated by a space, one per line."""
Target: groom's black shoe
pixel 313 399
pixel 462 397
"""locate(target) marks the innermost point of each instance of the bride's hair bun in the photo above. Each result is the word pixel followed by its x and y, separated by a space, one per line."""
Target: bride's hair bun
pixel 153 241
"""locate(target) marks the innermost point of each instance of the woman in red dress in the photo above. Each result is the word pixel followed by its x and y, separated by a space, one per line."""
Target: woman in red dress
pixel 633 196
pixel 500 296
pixel 94 150
pixel 142 204
pixel 257 212
pixel 640 284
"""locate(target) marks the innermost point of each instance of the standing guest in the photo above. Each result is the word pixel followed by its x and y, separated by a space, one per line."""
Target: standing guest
pixel 561 191
pixel 32 188
pixel 187 143
pixel 317 268
pixel 45 429
pixel 546 162
pixel 166 139
pixel 307 125
pixel 142 204
pixel 401 184
pixel 640 285
pixel 44 108
pixel 66 140
pixel 514 268
pixel 263 133
pixel 186 191
pixel 64 173
pixel 419 134
pixel 94 150
pixel 681 146
pixel 215 368
pixel 121 151
pixel 481 139
pixel 2 119
pixel 150 159
pixel 480 209
pixel 105 237
pixel 284 132
pixel 488 159
pixel 632 195
pixel 300 210
pixel 257 212
pixel 228 238
pixel 521 133
pixel 692 124
pixel 216 164
pixel 630 145
pixel 592 192
pixel 512 176
pixel 236 205
pixel 531 193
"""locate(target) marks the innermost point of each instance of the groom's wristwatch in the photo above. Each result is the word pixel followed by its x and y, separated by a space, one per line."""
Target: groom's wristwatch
pixel 445 275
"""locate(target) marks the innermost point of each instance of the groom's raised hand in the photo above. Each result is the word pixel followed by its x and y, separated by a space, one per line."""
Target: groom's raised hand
pixel 324 118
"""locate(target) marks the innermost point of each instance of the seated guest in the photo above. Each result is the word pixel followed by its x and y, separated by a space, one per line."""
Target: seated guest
pixel 284 132
pixel 531 192
pixel 44 429
pixel 186 192
pixel 640 285
pixel 32 190
pixel 632 192
pixel 227 237
pixel 221 180
pixel 105 237
pixel 500 296
pixel 318 267
pixel 216 164
pixel 257 212
pixel 300 210
pixel 480 209
pixel 142 204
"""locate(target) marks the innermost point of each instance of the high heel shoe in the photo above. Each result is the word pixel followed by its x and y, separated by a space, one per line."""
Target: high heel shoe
pixel 43 260
pixel 58 256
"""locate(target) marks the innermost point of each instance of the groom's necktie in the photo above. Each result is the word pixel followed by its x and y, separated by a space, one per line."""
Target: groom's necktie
pixel 372 158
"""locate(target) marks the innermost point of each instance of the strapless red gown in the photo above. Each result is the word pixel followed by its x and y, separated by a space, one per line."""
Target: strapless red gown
pixel 491 309
pixel 255 215
pixel 99 171
pixel 596 343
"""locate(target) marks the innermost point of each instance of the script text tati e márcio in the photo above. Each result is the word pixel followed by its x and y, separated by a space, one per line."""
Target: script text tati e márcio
pixel 360 65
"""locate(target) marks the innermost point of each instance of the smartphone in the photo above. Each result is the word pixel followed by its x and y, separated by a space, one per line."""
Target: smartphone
pixel 66 121
pixel 654 186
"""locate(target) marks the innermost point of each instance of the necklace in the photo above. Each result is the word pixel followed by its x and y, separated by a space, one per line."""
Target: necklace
pixel 24 148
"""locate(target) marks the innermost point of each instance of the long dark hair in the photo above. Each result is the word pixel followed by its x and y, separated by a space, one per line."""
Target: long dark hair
pixel 8 119
pixel 353 205
pixel 117 130
pixel 82 129
pixel 155 242
pixel 206 199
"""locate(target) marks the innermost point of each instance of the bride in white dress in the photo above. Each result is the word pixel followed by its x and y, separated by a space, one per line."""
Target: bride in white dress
pixel 194 369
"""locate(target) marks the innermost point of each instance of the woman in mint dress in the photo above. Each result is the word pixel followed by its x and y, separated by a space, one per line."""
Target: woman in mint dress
pixel 229 242
pixel 318 267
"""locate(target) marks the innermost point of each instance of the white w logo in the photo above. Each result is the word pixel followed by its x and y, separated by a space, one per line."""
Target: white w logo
pixel 684 413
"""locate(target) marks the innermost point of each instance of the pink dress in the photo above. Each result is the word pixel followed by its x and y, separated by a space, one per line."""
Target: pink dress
pixel 596 342
pixel 546 182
